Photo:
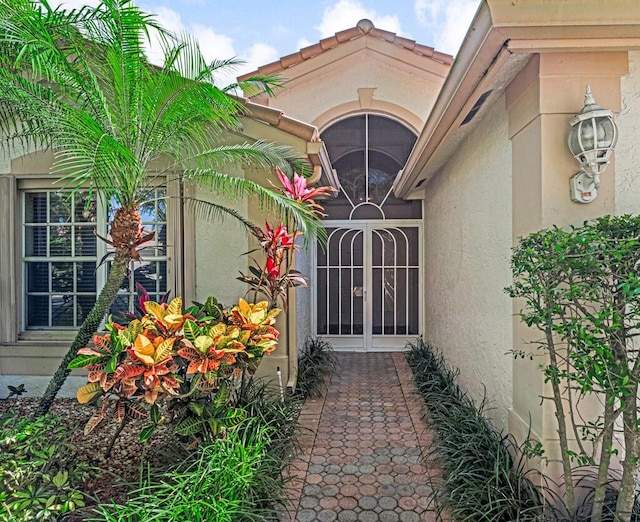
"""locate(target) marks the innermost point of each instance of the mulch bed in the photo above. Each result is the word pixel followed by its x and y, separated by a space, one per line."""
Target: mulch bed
pixel 114 476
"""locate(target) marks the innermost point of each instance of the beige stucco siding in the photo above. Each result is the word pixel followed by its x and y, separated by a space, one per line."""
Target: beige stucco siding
pixel 398 90
pixel 468 239
pixel 219 249
pixel 627 155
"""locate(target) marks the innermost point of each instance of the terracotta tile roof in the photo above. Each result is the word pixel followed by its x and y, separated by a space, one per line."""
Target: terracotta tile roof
pixel 278 119
pixel 364 28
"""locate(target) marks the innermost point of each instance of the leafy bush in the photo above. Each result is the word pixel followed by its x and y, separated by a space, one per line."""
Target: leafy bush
pixel 316 361
pixel 38 467
pixel 238 477
pixel 581 290
pixel 481 478
pixel 184 357
pixel 215 483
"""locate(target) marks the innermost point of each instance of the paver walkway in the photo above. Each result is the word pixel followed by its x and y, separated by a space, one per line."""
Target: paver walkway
pixel 361 458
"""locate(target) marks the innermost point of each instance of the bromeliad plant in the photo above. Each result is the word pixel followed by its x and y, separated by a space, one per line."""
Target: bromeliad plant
pixel 176 360
pixel 274 278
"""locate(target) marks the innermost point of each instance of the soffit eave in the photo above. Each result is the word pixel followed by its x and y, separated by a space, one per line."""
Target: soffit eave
pixel 489 57
pixel 312 145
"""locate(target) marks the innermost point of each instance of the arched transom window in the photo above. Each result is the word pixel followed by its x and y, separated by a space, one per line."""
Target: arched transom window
pixel 367 152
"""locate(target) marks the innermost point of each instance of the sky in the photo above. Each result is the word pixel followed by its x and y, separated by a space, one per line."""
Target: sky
pixel 259 33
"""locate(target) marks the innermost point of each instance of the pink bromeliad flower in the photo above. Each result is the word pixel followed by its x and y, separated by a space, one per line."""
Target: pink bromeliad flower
pixel 299 190
pixel 275 239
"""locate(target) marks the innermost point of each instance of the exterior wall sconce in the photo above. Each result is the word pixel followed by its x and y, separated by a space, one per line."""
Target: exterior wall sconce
pixel 592 136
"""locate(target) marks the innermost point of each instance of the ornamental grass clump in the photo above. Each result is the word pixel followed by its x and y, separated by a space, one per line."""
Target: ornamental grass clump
pixel 177 365
pixel 483 475
pixel 316 363
pixel 218 483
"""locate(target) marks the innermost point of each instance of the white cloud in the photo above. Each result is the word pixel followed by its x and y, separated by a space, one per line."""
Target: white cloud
pixel 345 14
pixel 448 20
pixel 214 46
pixel 259 54
pixel 427 11
pixel 303 42
pixel 458 17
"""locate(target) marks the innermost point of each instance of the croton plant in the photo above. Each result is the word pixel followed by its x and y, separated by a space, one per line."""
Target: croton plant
pixel 175 364
pixel 178 360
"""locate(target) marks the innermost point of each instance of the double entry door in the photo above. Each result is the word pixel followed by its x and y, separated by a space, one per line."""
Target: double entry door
pixel 368 285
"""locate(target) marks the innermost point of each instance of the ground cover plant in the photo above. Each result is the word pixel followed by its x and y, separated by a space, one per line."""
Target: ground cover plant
pixel 316 362
pixel 239 477
pixel 39 471
pixel 245 475
pixel 581 290
pixel 482 471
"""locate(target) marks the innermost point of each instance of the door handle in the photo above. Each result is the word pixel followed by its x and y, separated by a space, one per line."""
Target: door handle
pixel 359 291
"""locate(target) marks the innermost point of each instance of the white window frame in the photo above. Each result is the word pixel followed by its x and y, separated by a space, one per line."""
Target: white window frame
pixel 13 279
pixel 24 259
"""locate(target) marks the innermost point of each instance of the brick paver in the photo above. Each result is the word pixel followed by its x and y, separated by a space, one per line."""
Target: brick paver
pixel 361 447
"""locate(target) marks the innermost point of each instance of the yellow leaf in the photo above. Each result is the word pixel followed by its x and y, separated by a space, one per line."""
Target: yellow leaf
pixel 88 392
pixel 202 343
pixel 155 310
pixel 164 349
pixel 218 329
pixel 244 307
pixel 134 327
pixel 144 349
pixel 143 345
pixel 175 306
pixel 173 320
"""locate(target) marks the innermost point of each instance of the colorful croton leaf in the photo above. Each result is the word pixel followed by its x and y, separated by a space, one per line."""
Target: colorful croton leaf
pixel 170 354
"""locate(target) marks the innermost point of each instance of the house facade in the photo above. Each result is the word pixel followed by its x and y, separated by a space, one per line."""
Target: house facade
pixel 441 165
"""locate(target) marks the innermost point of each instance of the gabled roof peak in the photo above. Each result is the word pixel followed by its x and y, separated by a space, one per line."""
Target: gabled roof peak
pixel 364 28
pixel 365 25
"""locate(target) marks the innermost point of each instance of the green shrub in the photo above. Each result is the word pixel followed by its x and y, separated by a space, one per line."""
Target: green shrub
pixel 316 361
pixel 239 477
pixel 580 292
pixel 481 480
pixel 217 483
pixel 40 473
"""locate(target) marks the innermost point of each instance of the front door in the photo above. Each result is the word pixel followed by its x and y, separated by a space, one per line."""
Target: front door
pixel 367 285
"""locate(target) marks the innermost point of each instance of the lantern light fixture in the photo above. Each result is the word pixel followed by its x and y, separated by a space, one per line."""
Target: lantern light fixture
pixel 592 137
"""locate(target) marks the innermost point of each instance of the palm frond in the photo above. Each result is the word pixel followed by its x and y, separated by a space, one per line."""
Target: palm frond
pixel 211 211
pixel 258 154
pixel 267 83
pixel 269 201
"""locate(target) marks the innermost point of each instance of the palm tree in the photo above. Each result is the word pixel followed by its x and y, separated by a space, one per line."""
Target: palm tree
pixel 79 82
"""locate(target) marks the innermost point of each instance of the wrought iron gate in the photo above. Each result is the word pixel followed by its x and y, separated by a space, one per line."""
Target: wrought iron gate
pixel 367 285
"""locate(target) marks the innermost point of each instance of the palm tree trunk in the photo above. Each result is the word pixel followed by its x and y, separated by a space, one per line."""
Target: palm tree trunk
pixel 89 326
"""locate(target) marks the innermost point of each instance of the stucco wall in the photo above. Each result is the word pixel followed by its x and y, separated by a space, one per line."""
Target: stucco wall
pixel 468 239
pixel 303 298
pixel 219 249
pixel 627 155
pixel 339 83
